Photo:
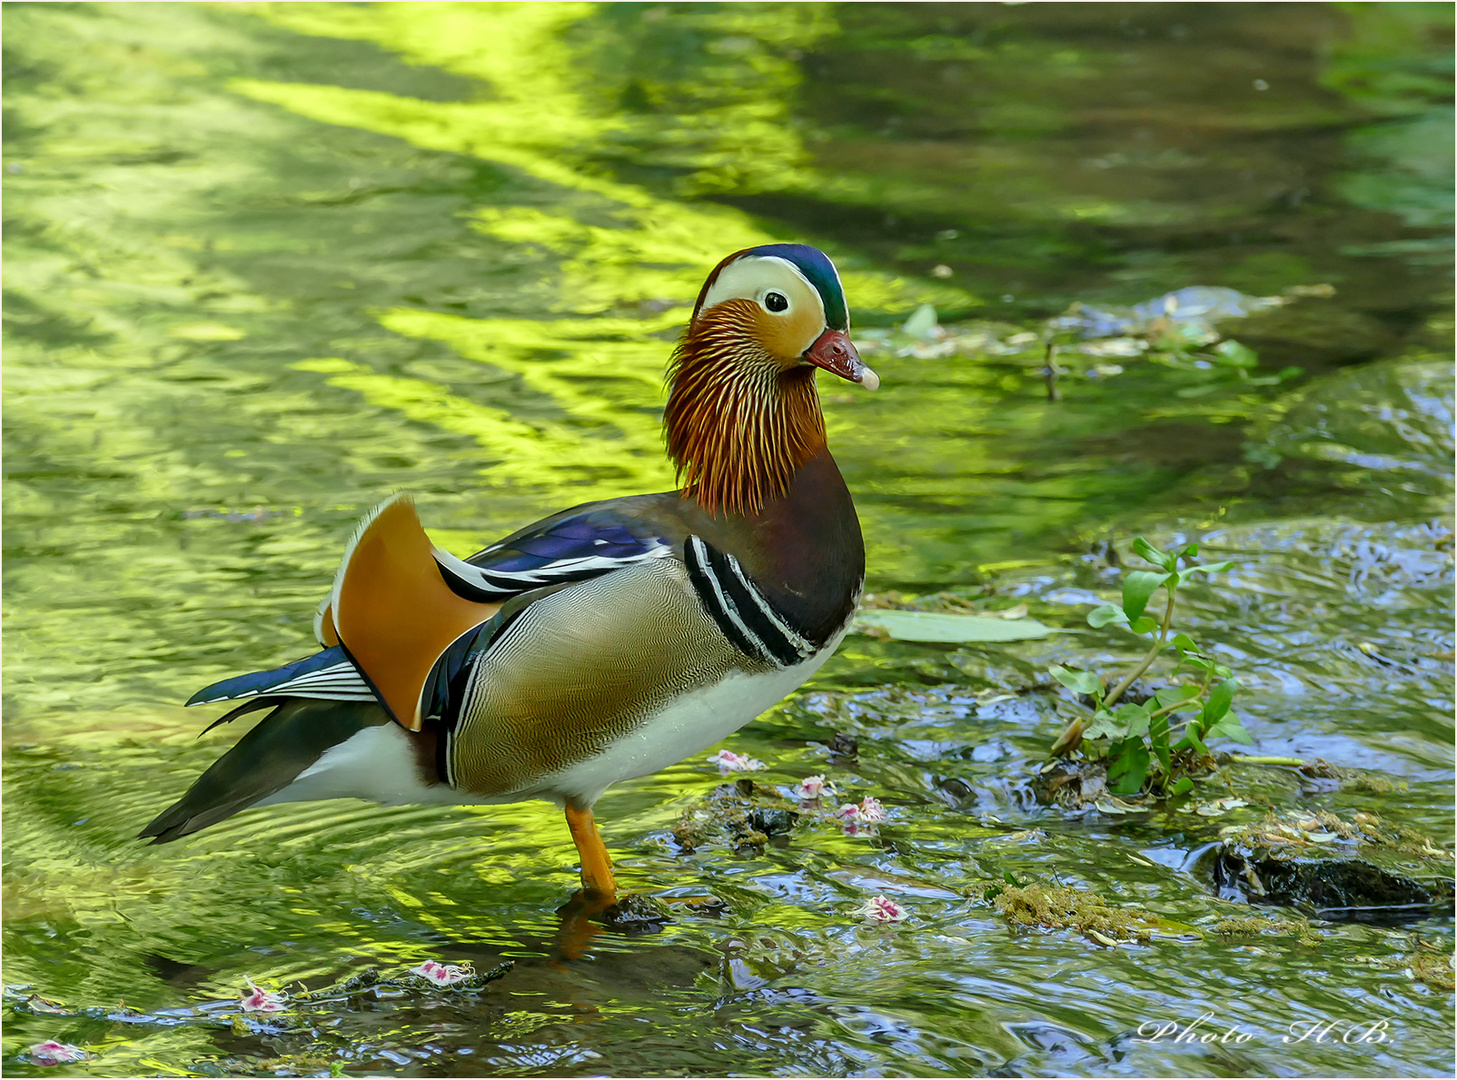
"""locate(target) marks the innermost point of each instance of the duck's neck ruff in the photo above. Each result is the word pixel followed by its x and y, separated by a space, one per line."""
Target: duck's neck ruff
pixel 739 424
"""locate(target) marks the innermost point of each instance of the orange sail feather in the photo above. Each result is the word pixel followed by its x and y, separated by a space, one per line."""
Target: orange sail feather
pixel 393 612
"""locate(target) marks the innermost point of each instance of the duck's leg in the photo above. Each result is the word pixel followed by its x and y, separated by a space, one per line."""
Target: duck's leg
pixel 597 881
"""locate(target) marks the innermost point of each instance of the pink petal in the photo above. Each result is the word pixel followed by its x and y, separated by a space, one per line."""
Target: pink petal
pixel 727 762
pixel 881 909
pixel 443 974
pixel 812 787
pixel 260 1000
pixel 52 1052
pixel 871 811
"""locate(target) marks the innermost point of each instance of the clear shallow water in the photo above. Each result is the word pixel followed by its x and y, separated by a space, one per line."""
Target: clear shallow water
pixel 266 265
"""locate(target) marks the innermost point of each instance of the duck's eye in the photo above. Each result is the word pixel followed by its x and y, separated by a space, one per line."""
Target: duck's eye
pixel 775 301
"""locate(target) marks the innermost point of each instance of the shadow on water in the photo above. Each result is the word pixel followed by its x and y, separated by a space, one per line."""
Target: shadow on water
pixel 267 264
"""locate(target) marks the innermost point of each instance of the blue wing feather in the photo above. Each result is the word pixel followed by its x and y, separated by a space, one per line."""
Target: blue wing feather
pixel 329 675
pixel 573 547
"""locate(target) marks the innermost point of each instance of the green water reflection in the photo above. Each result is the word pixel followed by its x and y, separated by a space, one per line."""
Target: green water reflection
pixel 266 264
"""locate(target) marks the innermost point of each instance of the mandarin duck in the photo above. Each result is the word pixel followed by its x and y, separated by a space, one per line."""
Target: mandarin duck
pixel 604 642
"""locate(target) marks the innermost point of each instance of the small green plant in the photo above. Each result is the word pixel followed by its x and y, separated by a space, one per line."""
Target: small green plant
pixel 1174 725
pixel 1220 365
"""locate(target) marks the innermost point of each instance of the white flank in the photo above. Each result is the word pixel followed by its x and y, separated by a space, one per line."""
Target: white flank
pixel 376 763
pixel 379 762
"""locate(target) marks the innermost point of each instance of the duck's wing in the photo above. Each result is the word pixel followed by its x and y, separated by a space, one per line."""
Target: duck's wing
pixel 574 545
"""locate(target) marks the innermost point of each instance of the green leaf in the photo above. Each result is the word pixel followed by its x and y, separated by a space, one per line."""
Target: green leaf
pixel 1105 725
pixel 1181 785
pixel 1129 768
pixel 1134 718
pixel 1148 553
pixel 1231 728
pixel 1084 682
pixel 1191 741
pixel 1175 695
pixel 1184 643
pixel 1218 703
pixel 1158 735
pixel 1107 613
pixel 1207 568
pixel 1196 391
pixel 1143 625
pixel 1138 587
pixel 951 629
pixel 1232 354
pixel 1199 664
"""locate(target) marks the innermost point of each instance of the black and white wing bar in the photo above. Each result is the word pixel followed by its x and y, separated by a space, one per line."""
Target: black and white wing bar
pixel 740 609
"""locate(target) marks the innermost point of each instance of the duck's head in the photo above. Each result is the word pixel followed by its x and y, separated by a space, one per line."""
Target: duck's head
pixel 742 411
pixel 781 306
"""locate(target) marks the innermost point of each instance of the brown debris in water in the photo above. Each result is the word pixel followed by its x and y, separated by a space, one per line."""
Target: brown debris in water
pixel 1302 831
pixel 1059 908
pixel 1334 865
pixel 1355 779
pixel 742 814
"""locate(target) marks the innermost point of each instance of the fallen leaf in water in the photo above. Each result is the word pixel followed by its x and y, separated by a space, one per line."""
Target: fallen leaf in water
pixel 950 629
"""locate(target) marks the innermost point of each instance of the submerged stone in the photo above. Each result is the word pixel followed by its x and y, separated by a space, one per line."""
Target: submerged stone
pixel 1365 868
pixel 636 913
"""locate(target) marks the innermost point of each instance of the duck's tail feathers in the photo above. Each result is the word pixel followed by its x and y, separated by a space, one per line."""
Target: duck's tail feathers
pixel 268 759
pixel 327 675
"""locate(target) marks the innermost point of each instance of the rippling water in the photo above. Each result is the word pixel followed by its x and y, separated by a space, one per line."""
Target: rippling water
pixel 266 264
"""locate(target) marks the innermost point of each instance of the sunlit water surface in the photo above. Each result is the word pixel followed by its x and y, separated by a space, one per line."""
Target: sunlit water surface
pixel 267 264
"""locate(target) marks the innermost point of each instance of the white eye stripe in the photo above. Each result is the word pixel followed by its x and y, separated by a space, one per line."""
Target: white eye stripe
pixel 753 277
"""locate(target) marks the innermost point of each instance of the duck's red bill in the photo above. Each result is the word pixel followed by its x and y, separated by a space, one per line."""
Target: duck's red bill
pixel 834 352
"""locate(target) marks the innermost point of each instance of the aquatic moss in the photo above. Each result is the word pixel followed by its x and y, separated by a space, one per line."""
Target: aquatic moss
pixel 1263 926
pixel 1432 969
pixel 1059 908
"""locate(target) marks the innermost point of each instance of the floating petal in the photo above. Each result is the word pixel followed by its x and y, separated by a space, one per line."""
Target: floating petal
pixel 729 762
pixel 443 974
pixel 881 909
pixel 52 1052
pixel 260 1000
pixel 813 787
